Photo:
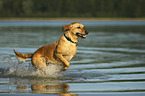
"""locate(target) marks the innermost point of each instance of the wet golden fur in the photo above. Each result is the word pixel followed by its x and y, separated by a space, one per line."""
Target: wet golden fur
pixel 59 52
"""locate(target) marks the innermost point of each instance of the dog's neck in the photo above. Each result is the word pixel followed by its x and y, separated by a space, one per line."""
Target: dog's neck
pixel 70 38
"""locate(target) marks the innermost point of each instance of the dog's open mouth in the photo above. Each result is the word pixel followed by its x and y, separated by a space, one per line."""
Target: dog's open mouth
pixel 81 35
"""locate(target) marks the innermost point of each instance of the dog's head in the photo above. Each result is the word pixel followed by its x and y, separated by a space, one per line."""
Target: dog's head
pixel 76 29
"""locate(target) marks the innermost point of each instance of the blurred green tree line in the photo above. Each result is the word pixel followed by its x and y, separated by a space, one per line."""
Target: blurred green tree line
pixel 72 8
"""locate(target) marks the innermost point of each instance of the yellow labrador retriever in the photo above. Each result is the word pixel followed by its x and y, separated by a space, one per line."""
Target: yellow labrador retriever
pixel 60 52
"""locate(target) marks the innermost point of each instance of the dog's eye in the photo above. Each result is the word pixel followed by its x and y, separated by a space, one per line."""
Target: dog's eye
pixel 79 27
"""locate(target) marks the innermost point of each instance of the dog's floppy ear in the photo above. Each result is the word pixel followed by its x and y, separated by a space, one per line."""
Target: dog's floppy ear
pixel 66 27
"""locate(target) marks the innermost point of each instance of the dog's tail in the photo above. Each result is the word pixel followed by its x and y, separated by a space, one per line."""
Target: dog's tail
pixel 22 57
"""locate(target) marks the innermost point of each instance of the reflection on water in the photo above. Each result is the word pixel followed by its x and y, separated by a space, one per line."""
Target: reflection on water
pixel 110 59
pixel 44 86
pixel 37 86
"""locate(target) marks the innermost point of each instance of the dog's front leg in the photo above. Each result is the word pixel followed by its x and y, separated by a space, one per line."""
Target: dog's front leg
pixel 63 60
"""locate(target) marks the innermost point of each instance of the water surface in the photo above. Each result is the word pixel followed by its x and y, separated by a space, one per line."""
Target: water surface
pixel 111 58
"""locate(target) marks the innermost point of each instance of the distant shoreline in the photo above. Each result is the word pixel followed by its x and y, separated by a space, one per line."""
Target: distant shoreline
pixel 72 19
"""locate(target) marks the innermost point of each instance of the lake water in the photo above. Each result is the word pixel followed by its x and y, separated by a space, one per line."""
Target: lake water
pixel 110 61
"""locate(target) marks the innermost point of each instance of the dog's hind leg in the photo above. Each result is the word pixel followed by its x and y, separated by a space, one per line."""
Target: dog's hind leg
pixel 39 62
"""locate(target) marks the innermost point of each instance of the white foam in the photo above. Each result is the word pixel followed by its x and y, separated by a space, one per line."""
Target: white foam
pixel 26 69
pixel 50 72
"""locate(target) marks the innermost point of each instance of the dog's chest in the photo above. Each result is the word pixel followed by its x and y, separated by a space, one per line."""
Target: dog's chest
pixel 70 52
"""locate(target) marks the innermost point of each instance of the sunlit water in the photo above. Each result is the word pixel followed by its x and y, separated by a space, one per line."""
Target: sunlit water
pixel 111 58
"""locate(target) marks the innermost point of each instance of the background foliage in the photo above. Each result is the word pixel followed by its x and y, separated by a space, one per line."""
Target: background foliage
pixel 72 8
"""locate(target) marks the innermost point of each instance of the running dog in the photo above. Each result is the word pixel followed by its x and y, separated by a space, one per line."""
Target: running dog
pixel 59 52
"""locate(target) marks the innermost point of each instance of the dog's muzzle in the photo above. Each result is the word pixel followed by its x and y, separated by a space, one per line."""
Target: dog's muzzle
pixel 82 35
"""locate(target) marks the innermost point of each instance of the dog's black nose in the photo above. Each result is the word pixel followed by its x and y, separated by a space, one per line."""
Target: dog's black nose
pixel 86 32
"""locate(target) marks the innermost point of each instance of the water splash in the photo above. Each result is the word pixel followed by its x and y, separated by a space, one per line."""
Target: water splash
pixel 19 69
pixel 49 72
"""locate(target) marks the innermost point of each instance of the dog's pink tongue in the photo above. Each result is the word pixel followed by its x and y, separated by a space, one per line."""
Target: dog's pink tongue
pixel 84 36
